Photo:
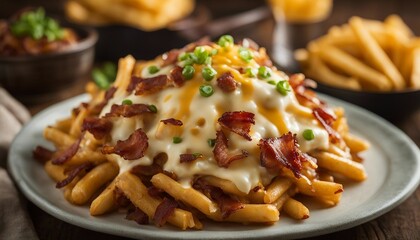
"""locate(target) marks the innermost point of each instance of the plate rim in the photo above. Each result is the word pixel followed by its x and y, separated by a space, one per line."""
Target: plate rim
pixel 127 231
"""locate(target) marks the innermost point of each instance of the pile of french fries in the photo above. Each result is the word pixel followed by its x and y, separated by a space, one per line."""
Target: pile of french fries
pixel 143 14
pixel 365 55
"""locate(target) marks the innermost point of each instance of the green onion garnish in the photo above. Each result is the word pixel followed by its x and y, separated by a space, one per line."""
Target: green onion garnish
pixel 283 87
pixel 153 69
pixel 245 54
pixel 308 134
pixel 153 108
pixel 272 82
pixel 127 102
pixel 201 55
pixel 176 140
pixel 100 79
pixel 206 90
pixel 264 72
pixel 211 142
pixel 208 73
pixel 225 40
pixel 188 72
pixel 250 72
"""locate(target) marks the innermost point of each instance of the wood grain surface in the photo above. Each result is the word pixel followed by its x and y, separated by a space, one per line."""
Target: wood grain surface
pixel 403 222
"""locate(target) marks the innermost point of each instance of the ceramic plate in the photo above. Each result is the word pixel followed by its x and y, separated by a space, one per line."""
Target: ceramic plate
pixel 392 164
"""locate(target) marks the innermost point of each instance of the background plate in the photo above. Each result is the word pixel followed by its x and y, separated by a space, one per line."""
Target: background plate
pixel 392 164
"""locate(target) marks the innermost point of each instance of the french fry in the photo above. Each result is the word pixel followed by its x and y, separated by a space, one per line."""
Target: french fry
pixel 60 139
pixel 134 189
pixel 296 209
pixel 105 202
pixel 356 144
pixel 375 54
pixel 344 166
pixel 415 73
pixel 277 188
pixel 92 181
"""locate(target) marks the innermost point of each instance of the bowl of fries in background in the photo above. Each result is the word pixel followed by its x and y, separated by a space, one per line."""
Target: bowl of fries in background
pixel 370 63
pixel 35 60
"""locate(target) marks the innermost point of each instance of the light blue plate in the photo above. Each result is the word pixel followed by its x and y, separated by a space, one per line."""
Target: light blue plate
pixel 392 164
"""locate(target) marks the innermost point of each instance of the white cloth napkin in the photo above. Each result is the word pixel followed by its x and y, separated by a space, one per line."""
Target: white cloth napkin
pixel 15 223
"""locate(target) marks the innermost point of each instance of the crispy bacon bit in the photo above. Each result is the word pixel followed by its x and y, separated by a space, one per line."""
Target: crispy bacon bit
pixel 221 152
pixel 172 121
pixel 136 214
pixel 68 153
pixel 170 57
pixel 249 43
pixel 238 122
pixel 99 127
pixel 226 204
pixel 133 83
pixel 155 192
pixel 108 95
pixel 303 94
pixel 42 154
pixel 128 110
pixel 120 198
pixel 226 82
pixel 164 211
pixel 130 149
pixel 71 174
pixel 150 85
pixel 326 121
pixel 277 153
pixel 189 157
pixel 146 170
pixel 176 76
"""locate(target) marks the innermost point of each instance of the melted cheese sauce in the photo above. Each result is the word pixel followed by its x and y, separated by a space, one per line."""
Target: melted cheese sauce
pixel 274 116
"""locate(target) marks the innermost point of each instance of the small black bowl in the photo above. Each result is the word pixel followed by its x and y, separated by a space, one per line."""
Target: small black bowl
pixel 29 77
pixel 393 106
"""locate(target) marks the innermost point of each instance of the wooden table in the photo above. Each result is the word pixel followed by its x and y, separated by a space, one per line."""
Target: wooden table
pixel 403 222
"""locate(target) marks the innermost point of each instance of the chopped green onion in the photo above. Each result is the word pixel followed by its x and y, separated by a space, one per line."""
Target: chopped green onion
pixel 272 82
pixel 211 142
pixel 264 72
pixel 100 79
pixel 153 108
pixel 250 72
pixel 37 25
pixel 127 102
pixel 208 73
pixel 183 56
pixel 201 55
pixel 308 134
pixel 176 140
pixel 110 70
pixel 153 69
pixel 225 40
pixel 188 72
pixel 213 52
pixel 245 54
pixel 283 87
pixel 206 90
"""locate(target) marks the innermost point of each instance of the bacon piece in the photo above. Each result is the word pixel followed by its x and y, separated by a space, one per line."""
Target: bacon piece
pixel 189 157
pixel 303 94
pixel 176 76
pixel 170 57
pixel 249 43
pixel 172 121
pixel 136 214
pixel 133 83
pixel 67 154
pixel 277 153
pixel 238 122
pixel 71 174
pixel 108 95
pixel 150 85
pixel 120 198
pixel 155 192
pixel 226 82
pixel 99 127
pixel 221 152
pixel 146 170
pixel 326 121
pixel 42 154
pixel 165 209
pixel 128 110
pixel 227 205
pixel 130 149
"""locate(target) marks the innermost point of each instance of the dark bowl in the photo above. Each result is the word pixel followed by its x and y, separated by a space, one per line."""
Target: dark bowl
pixel 28 76
pixel 393 106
